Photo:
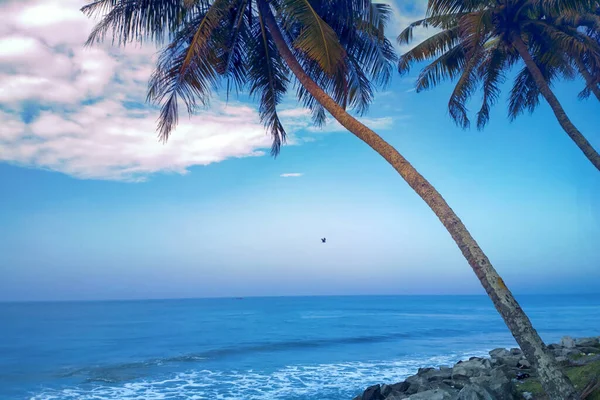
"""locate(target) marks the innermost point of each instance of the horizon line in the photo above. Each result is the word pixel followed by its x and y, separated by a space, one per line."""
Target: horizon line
pixel 116 300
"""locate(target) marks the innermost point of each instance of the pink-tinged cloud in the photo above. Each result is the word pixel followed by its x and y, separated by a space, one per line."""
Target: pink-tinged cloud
pixel 291 175
pixel 43 62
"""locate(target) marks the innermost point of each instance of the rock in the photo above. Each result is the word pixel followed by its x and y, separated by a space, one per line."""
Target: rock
pixel 435 394
pixel 566 352
pixel 499 352
pixel 523 364
pixel 385 390
pixel 396 396
pixel 553 346
pixel 359 397
pixel 400 387
pixel 434 375
pixel 372 393
pixel 567 342
pixel 528 396
pixel 516 352
pixel 496 383
pixel 587 342
pixel 471 368
pixel 422 371
pixel 587 350
pixel 416 384
pixel 562 359
pixel 474 392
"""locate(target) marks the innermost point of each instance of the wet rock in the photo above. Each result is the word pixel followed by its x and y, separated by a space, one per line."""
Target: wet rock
pixel 372 393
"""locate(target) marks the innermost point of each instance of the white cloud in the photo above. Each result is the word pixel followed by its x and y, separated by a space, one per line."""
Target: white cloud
pixel 291 175
pixel 82 125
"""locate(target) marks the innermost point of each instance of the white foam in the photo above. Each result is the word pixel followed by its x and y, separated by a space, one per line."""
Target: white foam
pixel 297 382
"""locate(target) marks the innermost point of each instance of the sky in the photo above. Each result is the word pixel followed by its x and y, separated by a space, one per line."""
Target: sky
pixel 93 206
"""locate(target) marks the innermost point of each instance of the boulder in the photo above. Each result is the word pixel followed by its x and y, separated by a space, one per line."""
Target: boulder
pixel 587 342
pixel 528 395
pixel 435 394
pixel 396 396
pixel 385 390
pixel 523 364
pixel 471 368
pixel 562 359
pixel 400 387
pixel 499 352
pixel 516 352
pixel 589 350
pixel 567 342
pixel 496 383
pixel 437 374
pixel 372 393
pixel 474 392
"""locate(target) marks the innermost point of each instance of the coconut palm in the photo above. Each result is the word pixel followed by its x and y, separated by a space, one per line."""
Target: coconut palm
pixel 337 51
pixel 480 40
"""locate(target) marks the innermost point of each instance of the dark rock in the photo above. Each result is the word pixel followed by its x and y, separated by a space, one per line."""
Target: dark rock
pixel 471 368
pixel 497 383
pixel 587 342
pixel 499 352
pixel 523 364
pixel 435 394
pixel 438 374
pixel 567 342
pixel 474 392
pixel 372 393
pixel 422 371
pixel 554 346
pixel 400 387
pixel 516 352
pixel 385 390
pixel 588 350
pixel 396 396
pixel 562 359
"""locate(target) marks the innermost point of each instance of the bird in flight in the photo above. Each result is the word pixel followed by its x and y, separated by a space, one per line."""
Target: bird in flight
pixel 323 240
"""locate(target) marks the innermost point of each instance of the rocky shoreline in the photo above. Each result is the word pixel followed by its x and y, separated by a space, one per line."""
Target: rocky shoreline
pixel 505 375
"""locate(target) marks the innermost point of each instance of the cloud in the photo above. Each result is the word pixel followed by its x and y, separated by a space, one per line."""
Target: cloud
pixel 291 175
pixel 81 111
pixel 375 123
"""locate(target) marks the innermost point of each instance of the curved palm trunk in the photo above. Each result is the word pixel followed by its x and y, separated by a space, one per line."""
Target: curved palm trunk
pixel 563 120
pixel 555 383
pixel 589 80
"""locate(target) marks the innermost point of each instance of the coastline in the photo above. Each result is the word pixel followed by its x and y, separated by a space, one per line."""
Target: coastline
pixel 504 375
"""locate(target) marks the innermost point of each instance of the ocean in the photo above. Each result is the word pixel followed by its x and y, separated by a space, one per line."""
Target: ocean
pixel 292 348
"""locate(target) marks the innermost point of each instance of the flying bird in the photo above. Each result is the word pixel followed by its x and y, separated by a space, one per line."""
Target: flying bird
pixel 323 240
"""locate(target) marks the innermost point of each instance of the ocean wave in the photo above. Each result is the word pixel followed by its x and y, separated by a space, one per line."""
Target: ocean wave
pixel 126 371
pixel 298 382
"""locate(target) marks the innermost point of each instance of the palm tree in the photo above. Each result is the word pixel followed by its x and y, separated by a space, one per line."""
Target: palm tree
pixel 480 40
pixel 589 70
pixel 335 50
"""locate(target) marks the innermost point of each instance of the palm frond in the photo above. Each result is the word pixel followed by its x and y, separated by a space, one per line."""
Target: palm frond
pixel 168 84
pixel 447 66
pixel 138 20
pixel 491 72
pixel 434 46
pixel 316 39
pixel 268 80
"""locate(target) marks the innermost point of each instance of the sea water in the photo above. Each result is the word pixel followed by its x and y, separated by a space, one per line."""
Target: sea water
pixel 292 348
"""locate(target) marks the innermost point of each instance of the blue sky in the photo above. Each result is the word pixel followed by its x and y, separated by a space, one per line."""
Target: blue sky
pixel 93 207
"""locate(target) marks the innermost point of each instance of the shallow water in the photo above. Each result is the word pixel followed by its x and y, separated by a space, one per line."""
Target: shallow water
pixel 328 348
